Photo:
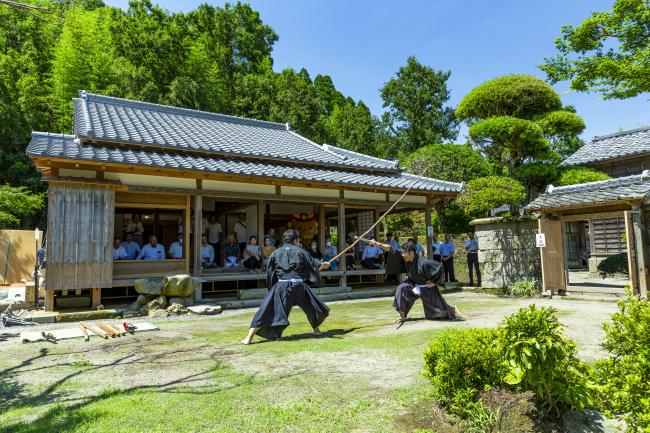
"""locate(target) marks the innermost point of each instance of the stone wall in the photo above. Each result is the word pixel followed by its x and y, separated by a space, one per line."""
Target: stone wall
pixel 507 250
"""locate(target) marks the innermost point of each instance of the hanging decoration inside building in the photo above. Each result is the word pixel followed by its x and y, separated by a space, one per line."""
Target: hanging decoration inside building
pixel 306 224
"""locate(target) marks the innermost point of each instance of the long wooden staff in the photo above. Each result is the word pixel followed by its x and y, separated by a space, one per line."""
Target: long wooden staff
pixel 374 225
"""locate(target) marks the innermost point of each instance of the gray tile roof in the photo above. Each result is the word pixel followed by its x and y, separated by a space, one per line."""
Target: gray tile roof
pixel 162 127
pixel 70 147
pixel 612 146
pixel 593 193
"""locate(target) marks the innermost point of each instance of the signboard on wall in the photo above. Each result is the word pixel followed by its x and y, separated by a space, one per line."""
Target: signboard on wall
pixel 540 240
pixel 429 231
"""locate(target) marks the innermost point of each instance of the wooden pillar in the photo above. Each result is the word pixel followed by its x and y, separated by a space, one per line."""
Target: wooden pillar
pixel 321 228
pixel 429 230
pixel 552 256
pixel 95 297
pixel 49 299
pixel 375 217
pixel 631 252
pixel 343 281
pixel 641 251
pixel 261 208
pixel 186 232
pixel 198 217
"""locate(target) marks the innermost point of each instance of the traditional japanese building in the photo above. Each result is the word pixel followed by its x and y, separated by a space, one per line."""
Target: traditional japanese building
pixel 625 153
pixel 176 167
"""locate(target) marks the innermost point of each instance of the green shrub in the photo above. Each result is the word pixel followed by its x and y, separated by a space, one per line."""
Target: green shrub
pixel 624 378
pixel 614 265
pixel 576 175
pixel 462 359
pixel 525 288
pixel 538 358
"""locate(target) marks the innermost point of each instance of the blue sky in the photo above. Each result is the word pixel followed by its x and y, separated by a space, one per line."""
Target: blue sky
pixel 361 44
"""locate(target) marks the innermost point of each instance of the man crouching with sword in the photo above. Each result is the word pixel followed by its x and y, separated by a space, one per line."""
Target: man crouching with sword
pixel 422 279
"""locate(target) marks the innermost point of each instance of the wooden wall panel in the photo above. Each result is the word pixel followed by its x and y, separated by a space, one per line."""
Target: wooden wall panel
pixel 17 256
pixel 80 228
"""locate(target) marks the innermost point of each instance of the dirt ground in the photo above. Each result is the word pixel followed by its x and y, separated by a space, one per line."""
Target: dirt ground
pixel 188 352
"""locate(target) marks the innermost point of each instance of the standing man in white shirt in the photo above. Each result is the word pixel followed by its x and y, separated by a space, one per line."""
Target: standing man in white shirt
pixel 436 245
pixel 241 232
pixel 135 228
pixel 176 248
pixel 214 234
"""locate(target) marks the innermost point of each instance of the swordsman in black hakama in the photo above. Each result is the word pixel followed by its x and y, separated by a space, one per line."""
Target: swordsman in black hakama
pixel 288 270
pixel 422 279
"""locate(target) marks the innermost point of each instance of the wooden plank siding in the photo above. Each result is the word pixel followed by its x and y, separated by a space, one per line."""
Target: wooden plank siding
pixel 80 228
pixel 608 236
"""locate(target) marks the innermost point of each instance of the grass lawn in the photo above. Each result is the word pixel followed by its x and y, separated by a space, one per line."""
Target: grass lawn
pixel 193 376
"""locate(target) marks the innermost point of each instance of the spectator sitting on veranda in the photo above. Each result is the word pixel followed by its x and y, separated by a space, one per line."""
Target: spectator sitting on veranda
pixel 152 251
pixel 118 251
pixel 231 252
pixel 207 254
pixel 131 247
pixel 176 248
pixel 268 249
pixel 371 256
pixel 329 253
pixel 253 255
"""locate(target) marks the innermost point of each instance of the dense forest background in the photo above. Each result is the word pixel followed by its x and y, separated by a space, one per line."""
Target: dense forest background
pixel 219 59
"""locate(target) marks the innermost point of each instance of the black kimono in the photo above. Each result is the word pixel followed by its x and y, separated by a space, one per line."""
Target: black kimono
pixel 288 268
pixel 419 272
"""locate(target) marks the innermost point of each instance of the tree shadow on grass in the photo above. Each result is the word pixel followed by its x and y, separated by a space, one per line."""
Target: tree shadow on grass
pixel 68 414
pixel 330 333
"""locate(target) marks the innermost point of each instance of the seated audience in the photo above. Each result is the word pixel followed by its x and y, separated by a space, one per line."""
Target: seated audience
pixel 118 251
pixel 371 256
pixel 330 252
pixel 313 250
pixel 152 251
pixel 267 250
pixel 231 252
pixel 176 248
pixel 207 254
pixel 252 255
pixel 271 235
pixel 131 247
pixel 349 255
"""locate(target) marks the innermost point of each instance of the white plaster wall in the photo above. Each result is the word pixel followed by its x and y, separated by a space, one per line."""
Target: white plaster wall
pixel 310 192
pixel 418 199
pixel 157 181
pixel 217 185
pixel 368 196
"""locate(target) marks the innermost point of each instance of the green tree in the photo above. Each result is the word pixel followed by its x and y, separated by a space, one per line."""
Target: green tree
pixel 485 193
pixel 519 119
pixel 417 114
pixel 351 126
pixel 609 52
pixel 453 163
pixel 17 204
pixel 575 175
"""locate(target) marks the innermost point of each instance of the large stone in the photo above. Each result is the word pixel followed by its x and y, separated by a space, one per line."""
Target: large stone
pixel 177 310
pixel 158 314
pixel 207 310
pixel 149 286
pixel 179 286
pixel 157 304
pixel 590 421
pixel 177 301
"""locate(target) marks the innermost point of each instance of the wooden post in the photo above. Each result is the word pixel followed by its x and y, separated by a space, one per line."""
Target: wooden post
pixel 186 232
pixel 427 225
pixel 641 253
pixel 261 208
pixel 631 252
pixel 375 217
pixel 95 297
pixel 321 228
pixel 198 217
pixel 343 281
pixel 49 299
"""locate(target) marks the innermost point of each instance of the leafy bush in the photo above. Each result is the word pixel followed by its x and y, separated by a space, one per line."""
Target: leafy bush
pixel 614 265
pixel 573 176
pixel 486 193
pixel 17 203
pixel 525 288
pixel 623 379
pixel 461 359
pixel 540 359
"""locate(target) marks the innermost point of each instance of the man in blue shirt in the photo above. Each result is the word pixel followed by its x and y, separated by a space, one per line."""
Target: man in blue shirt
pixel 176 248
pixel 370 256
pixel 152 251
pixel 207 253
pixel 447 251
pixel 418 247
pixel 471 246
pixel 132 248
pixel 118 250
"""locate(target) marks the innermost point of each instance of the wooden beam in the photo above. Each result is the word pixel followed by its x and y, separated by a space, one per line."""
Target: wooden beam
pixel 328 201
pixel 631 252
pixel 186 232
pixel 590 216
pixel 343 281
pixel 49 299
pixel 198 216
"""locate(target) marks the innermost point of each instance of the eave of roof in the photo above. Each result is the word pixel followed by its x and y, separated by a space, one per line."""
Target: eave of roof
pixel 611 191
pixel 67 147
